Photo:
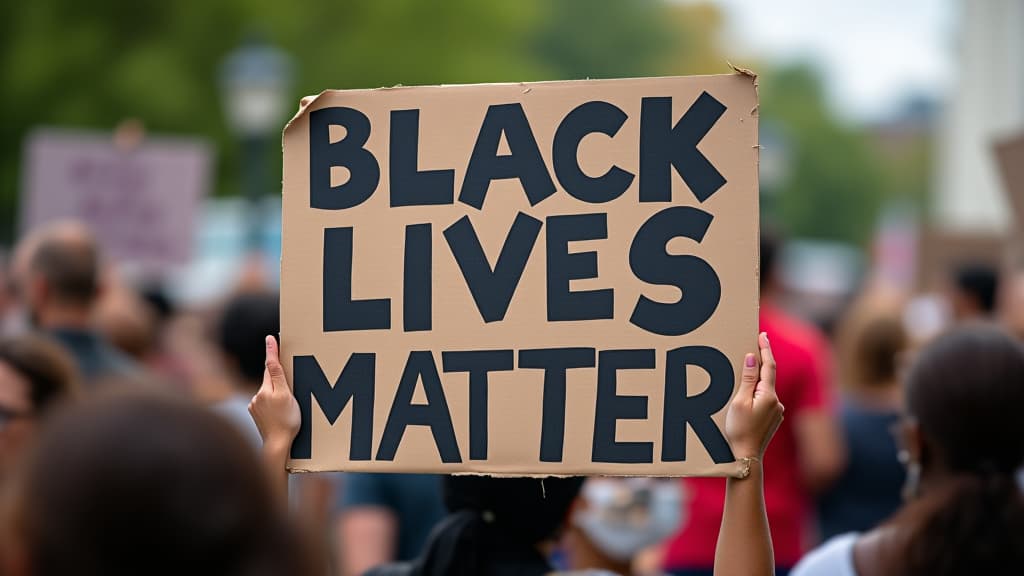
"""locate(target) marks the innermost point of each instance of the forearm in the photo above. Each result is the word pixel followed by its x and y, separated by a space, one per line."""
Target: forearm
pixel 744 541
pixel 275 460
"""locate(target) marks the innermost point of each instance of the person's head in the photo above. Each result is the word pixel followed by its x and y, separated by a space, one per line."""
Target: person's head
pixel 62 283
pixel 35 375
pixel 614 519
pixel 975 288
pixel 770 245
pixel 873 340
pixel 964 391
pixel 496 521
pixel 127 322
pixel 244 325
pixel 141 484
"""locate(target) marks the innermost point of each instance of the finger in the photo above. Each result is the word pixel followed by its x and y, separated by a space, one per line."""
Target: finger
pixel 748 380
pixel 274 370
pixel 767 381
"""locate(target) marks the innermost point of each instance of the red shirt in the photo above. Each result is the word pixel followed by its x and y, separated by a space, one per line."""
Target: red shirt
pixel 803 384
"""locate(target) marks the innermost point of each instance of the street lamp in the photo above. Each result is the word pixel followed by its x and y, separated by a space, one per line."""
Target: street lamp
pixel 255 84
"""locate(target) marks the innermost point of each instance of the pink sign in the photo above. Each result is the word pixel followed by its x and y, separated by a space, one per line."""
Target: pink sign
pixel 141 203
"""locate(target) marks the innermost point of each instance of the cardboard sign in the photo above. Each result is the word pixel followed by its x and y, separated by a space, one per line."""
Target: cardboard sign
pixel 521 279
pixel 141 203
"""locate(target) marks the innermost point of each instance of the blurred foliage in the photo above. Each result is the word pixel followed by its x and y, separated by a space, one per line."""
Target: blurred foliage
pixel 834 185
pixel 839 176
pixel 95 63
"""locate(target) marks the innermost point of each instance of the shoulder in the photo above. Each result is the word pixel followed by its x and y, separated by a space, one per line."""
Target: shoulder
pixel 792 335
pixel 833 558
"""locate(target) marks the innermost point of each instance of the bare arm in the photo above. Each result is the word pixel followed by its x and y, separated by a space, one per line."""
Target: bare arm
pixel 744 541
pixel 366 538
pixel 819 447
pixel 276 414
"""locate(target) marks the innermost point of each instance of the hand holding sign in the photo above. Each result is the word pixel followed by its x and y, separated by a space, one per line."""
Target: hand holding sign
pixel 755 411
pixel 274 408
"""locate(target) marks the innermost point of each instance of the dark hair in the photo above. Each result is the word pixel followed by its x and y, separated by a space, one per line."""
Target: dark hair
pixel 45 366
pixel 495 522
pixel 965 390
pixel 770 244
pixel 70 267
pixel 244 326
pixel 876 350
pixel 129 484
pixel 981 283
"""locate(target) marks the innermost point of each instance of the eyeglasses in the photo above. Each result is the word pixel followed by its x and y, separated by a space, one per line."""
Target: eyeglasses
pixel 8 415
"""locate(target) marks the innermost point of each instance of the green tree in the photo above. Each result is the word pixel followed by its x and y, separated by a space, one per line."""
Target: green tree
pixel 93 64
pixel 836 180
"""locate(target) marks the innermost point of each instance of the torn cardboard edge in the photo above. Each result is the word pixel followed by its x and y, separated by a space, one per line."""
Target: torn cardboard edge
pixel 736 469
pixel 307 101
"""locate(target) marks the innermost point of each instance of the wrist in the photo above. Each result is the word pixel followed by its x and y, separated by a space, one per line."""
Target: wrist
pixel 748 466
pixel 277 447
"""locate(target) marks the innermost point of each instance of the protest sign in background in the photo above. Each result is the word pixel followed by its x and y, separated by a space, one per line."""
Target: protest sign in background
pixel 141 201
pixel 548 278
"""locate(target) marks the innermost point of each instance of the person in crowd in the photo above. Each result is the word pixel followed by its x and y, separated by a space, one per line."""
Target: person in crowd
pixel 125 320
pixel 61 289
pixel 615 519
pixel 974 293
pixel 966 511
pixel 35 375
pixel 245 320
pixel 127 484
pixel 806 456
pixel 385 517
pixel 497 528
pixel 873 341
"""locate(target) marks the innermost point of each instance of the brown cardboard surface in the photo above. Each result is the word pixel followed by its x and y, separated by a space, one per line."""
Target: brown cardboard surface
pixel 450 118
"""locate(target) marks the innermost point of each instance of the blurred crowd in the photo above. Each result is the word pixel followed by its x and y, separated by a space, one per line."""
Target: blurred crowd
pixel 127 447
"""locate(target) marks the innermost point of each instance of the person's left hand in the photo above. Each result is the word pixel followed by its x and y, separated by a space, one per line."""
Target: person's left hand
pixel 274 408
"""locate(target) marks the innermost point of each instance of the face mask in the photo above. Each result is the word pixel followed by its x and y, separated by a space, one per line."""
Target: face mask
pixel 625 515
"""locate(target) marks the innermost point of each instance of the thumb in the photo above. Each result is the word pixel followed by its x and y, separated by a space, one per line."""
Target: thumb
pixel 748 380
pixel 766 385
pixel 274 371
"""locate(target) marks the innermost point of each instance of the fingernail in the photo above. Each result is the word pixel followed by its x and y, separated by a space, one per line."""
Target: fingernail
pixel 268 341
pixel 766 337
pixel 750 361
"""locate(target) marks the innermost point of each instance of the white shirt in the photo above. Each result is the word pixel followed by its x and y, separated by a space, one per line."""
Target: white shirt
pixel 833 558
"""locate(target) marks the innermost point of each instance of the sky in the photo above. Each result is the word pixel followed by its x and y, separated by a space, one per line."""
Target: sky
pixel 875 54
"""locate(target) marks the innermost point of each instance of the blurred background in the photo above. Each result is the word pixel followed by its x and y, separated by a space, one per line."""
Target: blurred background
pixel 877 120
pixel 892 184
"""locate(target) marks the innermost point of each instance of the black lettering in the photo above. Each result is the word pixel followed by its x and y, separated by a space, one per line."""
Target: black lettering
pixel 420 368
pixel 695 278
pixel 355 384
pixel 611 407
pixel 555 362
pixel 417 304
pixel 663 147
pixel 523 162
pixel 341 312
pixel 478 363
pixel 410 186
pixel 588 118
pixel 563 267
pixel 697 410
pixel 349 152
pixel 492 289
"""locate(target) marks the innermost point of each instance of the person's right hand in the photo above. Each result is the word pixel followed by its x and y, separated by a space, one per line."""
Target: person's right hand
pixel 274 407
pixel 755 411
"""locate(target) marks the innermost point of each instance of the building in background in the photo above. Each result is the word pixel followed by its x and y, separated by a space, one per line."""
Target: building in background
pixel 986 104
